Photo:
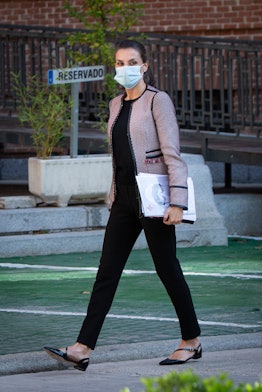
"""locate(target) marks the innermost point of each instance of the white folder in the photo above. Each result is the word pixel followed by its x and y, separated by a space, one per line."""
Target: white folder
pixel 154 192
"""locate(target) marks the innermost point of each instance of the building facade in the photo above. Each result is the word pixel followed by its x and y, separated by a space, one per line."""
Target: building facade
pixel 241 19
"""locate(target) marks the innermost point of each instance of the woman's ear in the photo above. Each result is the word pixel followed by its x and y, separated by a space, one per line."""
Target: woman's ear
pixel 145 67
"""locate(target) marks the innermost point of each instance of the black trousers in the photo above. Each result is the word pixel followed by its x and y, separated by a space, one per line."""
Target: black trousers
pixel 123 228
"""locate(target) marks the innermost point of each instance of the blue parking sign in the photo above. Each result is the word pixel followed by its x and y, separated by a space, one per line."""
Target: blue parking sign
pixel 50 76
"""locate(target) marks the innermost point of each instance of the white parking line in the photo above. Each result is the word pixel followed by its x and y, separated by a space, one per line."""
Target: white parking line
pixel 121 316
pixel 126 271
pixel 48 267
pixel 219 275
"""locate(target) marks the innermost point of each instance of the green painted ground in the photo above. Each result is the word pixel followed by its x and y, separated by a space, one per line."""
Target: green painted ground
pixel 41 306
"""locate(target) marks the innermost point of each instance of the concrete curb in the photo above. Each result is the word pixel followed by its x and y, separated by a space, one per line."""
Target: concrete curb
pixel 33 362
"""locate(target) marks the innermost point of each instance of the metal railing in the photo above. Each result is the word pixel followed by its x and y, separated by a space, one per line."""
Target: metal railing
pixel 216 84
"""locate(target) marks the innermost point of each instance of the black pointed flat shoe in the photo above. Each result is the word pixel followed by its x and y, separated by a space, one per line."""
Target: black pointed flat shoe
pixel 197 354
pixel 62 356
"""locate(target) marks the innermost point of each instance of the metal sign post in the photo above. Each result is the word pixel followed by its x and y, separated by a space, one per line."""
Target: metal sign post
pixel 74 120
pixel 75 76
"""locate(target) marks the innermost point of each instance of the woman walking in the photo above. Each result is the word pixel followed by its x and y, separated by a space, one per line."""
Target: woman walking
pixel 144 136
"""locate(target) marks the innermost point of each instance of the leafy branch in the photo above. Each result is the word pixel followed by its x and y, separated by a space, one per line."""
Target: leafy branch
pixel 105 21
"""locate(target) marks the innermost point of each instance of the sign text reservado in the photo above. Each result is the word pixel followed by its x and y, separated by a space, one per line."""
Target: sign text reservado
pixel 73 75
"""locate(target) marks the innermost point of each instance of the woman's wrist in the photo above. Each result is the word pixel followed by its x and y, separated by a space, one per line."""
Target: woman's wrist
pixel 176 205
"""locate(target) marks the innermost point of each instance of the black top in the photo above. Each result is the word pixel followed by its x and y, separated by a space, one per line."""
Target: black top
pixel 125 169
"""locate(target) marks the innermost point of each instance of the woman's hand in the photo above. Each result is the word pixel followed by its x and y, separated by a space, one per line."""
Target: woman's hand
pixel 173 215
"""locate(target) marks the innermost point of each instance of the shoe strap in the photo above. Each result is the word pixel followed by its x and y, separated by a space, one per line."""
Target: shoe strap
pixel 191 349
pixel 84 360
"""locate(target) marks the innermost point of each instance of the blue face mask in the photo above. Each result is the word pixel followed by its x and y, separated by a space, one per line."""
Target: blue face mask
pixel 128 76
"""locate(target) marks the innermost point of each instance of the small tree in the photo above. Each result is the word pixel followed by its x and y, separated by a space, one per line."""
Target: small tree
pixel 105 21
pixel 46 109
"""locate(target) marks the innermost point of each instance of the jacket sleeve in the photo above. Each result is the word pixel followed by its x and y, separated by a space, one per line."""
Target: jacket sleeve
pixel 114 107
pixel 168 134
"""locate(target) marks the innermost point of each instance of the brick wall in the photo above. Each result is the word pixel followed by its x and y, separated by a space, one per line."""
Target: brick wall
pixel 225 18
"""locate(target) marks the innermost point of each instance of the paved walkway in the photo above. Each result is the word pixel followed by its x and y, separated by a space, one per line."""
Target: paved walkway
pixel 115 367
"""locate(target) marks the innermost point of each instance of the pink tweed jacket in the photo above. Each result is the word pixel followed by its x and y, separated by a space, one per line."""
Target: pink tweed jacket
pixel 154 140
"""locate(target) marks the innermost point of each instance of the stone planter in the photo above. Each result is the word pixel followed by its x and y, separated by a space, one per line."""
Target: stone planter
pixel 56 180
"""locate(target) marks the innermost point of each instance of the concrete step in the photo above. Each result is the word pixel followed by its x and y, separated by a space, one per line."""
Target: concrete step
pixel 80 228
pixel 69 233
pixel 52 219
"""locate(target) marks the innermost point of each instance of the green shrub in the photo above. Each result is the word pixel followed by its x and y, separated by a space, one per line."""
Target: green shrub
pixel 187 381
pixel 46 109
